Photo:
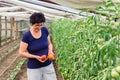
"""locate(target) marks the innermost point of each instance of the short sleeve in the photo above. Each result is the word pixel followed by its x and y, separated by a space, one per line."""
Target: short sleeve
pixel 25 37
pixel 46 31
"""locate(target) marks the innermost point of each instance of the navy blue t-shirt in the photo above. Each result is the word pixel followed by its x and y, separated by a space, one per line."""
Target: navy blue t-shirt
pixel 38 47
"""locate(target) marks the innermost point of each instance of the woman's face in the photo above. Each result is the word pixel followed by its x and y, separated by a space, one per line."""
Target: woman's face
pixel 37 26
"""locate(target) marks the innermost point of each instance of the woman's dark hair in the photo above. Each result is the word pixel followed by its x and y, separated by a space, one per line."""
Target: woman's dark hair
pixel 37 18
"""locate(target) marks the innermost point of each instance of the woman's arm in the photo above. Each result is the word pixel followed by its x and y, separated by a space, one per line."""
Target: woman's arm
pixel 50 46
pixel 24 53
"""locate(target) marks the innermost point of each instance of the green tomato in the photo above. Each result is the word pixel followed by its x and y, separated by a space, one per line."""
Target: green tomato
pixel 114 74
pixel 117 69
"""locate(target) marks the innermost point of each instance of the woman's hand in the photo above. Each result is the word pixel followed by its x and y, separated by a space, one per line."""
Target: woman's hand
pixel 41 58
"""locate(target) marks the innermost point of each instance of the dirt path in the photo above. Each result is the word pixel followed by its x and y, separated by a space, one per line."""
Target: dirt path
pixel 7 49
pixel 8 64
pixel 9 58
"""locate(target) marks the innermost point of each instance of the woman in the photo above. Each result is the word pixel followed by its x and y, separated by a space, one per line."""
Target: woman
pixel 34 44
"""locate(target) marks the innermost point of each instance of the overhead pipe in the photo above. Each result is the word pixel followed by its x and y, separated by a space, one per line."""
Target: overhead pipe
pixel 15 14
pixel 59 7
pixel 39 8
pixel 5 9
pixel 26 15
pixel 36 7
pixel 53 6
pixel 52 17
pixel 46 14
pixel 6 4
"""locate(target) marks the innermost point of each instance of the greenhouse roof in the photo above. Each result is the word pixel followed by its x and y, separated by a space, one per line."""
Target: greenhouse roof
pixel 24 8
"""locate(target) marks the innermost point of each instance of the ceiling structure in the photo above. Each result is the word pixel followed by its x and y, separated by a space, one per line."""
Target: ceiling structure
pixel 53 9
pixel 80 4
pixel 23 9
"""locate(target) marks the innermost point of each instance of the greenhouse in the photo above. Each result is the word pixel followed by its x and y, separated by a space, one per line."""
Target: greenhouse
pixel 82 41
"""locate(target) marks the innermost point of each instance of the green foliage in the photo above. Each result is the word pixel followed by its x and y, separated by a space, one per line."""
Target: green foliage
pixel 109 9
pixel 87 48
